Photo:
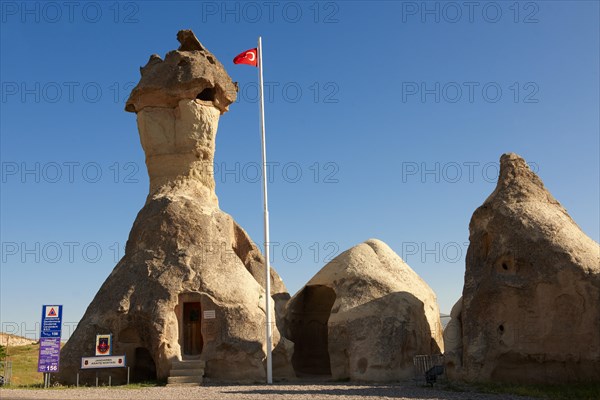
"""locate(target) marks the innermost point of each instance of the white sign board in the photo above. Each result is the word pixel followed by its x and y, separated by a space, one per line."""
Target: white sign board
pixel 210 314
pixel 103 362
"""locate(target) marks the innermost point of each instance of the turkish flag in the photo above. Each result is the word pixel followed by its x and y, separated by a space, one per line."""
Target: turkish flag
pixel 249 57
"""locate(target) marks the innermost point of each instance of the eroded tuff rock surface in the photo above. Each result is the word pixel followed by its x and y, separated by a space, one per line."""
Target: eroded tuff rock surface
pixel 191 283
pixel 363 317
pixel 531 300
pixel 189 72
pixel 453 345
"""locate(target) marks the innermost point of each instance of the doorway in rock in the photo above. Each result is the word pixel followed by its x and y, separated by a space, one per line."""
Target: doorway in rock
pixel 144 368
pixel 310 314
pixel 192 332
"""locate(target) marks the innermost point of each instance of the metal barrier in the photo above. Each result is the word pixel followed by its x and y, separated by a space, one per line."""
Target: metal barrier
pixel 429 369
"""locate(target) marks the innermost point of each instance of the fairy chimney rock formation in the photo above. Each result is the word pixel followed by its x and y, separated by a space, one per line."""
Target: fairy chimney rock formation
pixel 363 316
pixel 191 282
pixel 531 299
pixel 178 102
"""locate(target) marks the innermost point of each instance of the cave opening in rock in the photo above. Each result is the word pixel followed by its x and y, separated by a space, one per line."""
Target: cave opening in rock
pixel 207 94
pixel 310 315
pixel 144 368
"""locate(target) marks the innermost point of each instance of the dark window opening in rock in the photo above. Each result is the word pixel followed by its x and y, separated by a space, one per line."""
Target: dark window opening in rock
pixel 210 59
pixel 506 265
pixel 207 94
pixel 192 329
pixel 144 369
pixel 501 329
pixel 310 314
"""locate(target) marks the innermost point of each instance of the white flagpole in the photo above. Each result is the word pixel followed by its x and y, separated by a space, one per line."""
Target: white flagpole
pixel 266 216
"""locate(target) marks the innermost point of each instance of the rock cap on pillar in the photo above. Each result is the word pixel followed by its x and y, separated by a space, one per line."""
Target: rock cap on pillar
pixel 190 72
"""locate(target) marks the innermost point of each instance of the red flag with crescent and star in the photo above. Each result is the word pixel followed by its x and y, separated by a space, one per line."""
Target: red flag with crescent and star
pixel 249 57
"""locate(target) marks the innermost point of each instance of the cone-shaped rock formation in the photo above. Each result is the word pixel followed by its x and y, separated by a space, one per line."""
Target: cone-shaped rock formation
pixel 191 283
pixel 531 300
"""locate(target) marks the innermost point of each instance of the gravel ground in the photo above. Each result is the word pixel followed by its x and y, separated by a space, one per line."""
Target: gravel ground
pixel 287 392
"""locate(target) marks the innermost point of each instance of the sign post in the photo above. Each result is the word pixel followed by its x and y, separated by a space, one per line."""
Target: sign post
pixel 50 333
pixel 103 362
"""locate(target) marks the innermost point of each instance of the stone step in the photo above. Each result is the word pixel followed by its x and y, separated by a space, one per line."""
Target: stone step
pixel 187 372
pixel 182 384
pixel 188 364
pixel 185 379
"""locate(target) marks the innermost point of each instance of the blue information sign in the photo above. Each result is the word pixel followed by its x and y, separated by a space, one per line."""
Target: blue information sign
pixel 49 355
pixel 51 321
pixel 50 339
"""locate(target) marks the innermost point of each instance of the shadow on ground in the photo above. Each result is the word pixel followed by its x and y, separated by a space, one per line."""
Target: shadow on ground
pixel 389 391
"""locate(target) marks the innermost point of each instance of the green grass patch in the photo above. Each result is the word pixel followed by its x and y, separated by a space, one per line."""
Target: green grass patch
pixel 131 386
pixel 24 365
pixel 25 376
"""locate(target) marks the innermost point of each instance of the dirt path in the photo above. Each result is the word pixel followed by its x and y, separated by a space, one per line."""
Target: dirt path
pixel 287 392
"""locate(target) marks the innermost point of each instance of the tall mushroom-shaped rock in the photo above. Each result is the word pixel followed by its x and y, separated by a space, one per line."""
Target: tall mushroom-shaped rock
pixel 363 317
pixel 531 300
pixel 191 283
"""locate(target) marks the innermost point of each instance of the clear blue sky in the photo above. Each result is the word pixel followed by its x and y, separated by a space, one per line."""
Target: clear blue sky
pixel 394 113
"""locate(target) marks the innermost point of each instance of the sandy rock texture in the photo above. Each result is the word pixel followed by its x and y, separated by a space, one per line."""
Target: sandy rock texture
pixel 189 72
pixel 9 340
pixel 531 300
pixel 191 282
pixel 363 317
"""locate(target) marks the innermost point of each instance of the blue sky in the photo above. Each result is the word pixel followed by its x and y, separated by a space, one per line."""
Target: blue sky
pixel 384 119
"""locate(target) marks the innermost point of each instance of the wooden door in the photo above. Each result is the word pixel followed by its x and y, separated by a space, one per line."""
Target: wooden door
pixel 192 333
